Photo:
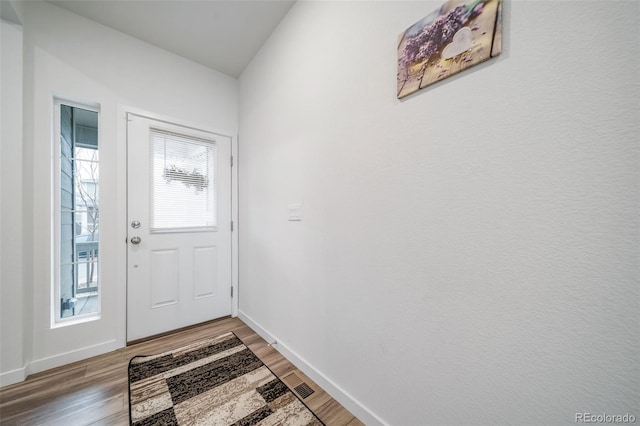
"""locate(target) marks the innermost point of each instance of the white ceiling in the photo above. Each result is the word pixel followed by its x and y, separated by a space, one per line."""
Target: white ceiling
pixel 221 34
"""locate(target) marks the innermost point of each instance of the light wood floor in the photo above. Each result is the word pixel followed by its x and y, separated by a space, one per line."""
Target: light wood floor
pixel 95 391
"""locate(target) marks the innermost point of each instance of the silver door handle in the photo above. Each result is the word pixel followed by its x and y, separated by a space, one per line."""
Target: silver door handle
pixel 135 240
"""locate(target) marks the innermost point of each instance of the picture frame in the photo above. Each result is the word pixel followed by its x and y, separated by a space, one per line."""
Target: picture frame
pixel 458 36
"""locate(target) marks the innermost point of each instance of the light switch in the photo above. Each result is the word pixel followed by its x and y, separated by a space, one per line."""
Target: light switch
pixel 294 212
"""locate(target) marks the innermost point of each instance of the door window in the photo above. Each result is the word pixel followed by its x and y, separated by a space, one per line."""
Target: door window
pixel 183 193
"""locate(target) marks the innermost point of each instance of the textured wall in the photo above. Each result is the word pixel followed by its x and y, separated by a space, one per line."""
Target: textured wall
pixel 468 255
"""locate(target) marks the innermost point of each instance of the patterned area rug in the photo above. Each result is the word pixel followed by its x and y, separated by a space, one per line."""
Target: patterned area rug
pixel 217 381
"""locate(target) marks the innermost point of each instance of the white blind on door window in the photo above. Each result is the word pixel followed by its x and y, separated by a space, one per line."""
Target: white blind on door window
pixel 183 184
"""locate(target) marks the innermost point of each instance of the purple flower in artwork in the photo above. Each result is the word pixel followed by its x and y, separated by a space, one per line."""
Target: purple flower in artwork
pixel 437 34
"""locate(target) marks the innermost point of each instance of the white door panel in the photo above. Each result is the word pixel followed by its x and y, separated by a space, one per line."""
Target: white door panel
pixel 179 208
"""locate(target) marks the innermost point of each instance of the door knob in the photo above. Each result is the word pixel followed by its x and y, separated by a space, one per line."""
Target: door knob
pixel 135 240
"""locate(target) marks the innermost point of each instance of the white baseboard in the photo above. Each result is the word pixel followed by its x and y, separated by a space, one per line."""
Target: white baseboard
pixel 14 376
pixel 354 406
pixel 54 361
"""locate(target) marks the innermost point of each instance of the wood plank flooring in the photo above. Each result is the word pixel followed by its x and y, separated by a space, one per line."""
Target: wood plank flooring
pixel 95 391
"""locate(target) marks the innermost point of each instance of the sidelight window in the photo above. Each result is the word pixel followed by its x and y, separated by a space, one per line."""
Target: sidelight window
pixel 77 212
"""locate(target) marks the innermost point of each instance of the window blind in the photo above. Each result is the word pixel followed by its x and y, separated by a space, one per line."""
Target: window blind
pixel 183 182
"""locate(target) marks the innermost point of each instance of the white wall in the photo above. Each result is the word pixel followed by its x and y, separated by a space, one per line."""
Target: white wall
pixel 76 59
pixel 468 255
pixel 12 318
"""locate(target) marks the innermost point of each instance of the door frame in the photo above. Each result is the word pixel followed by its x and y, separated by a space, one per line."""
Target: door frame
pixel 122 185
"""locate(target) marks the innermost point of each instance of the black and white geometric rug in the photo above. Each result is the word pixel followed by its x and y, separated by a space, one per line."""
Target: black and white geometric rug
pixel 218 381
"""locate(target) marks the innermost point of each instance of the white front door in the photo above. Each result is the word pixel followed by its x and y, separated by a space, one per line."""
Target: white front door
pixel 179 217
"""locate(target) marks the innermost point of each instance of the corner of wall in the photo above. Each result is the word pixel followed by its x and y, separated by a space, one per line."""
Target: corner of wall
pixel 356 408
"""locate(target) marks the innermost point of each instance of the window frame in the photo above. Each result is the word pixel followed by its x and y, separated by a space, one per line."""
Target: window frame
pixel 210 143
pixel 56 311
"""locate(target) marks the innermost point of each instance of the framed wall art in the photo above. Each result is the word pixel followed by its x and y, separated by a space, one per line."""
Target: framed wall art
pixel 459 35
